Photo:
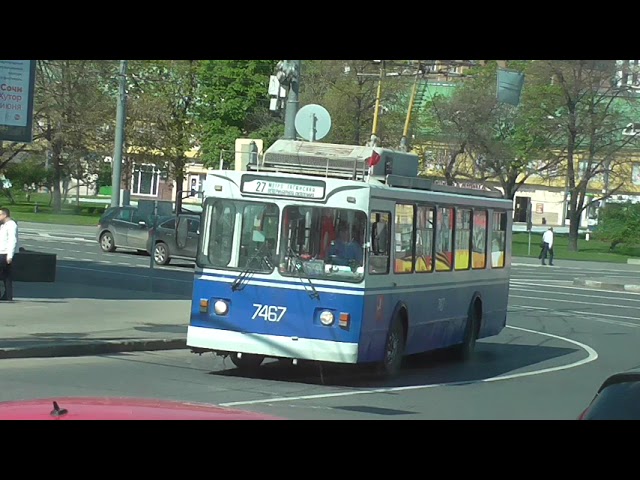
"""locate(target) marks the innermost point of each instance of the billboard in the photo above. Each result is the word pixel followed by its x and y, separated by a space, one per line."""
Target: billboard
pixel 17 82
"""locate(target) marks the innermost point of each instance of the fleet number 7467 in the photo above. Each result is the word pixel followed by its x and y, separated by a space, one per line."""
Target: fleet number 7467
pixel 270 313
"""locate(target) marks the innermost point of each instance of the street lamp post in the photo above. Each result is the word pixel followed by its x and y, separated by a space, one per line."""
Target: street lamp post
pixel 289 75
pixel 119 138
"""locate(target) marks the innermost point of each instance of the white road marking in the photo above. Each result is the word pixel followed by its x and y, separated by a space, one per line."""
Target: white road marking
pixel 576 295
pixel 579 288
pixel 569 301
pixel 584 315
pixel 592 355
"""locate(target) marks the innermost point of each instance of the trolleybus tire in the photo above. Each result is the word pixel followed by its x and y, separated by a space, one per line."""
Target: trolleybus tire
pixel 248 362
pixel 464 351
pixel 393 349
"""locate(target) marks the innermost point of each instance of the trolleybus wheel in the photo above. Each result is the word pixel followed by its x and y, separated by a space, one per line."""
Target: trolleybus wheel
pixel 248 362
pixel 464 351
pixel 393 349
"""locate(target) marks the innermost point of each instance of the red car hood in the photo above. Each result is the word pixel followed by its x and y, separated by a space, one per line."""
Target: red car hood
pixel 101 408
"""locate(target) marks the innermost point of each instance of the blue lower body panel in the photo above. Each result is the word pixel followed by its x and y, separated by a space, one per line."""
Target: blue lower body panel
pixel 277 320
pixel 280 319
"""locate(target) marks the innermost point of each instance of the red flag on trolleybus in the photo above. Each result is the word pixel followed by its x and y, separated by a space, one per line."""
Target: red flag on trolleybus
pixel 374 159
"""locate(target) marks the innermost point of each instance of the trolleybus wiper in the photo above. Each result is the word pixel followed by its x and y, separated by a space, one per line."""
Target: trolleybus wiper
pixel 237 283
pixel 300 270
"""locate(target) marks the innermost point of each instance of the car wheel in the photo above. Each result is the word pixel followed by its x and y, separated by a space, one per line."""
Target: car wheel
pixel 161 253
pixel 107 243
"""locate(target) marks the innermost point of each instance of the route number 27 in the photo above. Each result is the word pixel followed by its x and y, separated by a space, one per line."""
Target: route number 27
pixel 270 313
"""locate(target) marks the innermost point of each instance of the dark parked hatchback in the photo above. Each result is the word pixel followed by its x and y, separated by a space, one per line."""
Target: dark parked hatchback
pixel 617 399
pixel 175 237
pixel 123 227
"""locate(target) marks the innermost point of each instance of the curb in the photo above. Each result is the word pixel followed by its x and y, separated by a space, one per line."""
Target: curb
pixel 621 287
pixel 94 348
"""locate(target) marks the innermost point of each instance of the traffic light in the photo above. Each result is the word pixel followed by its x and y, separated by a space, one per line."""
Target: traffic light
pixel 286 72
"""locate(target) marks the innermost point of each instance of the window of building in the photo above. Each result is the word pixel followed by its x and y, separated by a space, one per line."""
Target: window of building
pixel 145 180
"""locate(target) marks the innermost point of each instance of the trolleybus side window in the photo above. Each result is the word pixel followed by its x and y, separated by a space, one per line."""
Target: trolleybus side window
pixel 380 233
pixel 463 239
pixel 425 230
pixel 498 238
pixel 479 239
pixel 444 239
pixel 403 252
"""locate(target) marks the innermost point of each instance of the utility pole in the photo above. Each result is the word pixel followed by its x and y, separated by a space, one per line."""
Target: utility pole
pixel 119 140
pixel 404 145
pixel 374 129
pixel 289 74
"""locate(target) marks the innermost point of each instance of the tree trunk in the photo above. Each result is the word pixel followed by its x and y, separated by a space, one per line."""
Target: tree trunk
pixel 573 233
pixel 179 187
pixel 574 223
pixel 57 176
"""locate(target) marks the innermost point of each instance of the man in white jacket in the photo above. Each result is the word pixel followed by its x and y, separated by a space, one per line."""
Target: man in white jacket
pixel 547 240
pixel 8 243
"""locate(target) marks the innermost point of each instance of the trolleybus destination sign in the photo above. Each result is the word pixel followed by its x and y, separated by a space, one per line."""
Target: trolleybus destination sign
pixel 283 188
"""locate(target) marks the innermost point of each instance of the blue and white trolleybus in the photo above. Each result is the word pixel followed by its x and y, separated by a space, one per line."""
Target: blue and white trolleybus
pixel 338 253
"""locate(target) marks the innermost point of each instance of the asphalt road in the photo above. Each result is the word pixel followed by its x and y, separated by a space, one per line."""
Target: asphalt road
pixel 561 342
pixel 80 260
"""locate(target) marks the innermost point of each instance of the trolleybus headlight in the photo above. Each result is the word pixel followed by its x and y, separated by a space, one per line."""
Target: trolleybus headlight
pixel 221 307
pixel 326 318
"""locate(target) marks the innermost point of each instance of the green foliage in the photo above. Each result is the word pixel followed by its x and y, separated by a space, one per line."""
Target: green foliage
pixel 350 97
pixel 30 172
pixel 161 107
pixel 234 103
pixel 620 223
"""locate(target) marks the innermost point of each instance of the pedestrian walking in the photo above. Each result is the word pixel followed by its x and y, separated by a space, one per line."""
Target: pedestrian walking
pixel 8 243
pixel 547 247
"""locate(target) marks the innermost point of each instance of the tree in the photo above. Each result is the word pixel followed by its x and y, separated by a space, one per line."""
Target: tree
pixel 580 99
pixel 487 140
pixel 73 109
pixel 234 103
pixel 163 97
pixel 347 89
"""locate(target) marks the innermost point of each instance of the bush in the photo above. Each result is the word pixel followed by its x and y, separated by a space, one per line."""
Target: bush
pixel 620 223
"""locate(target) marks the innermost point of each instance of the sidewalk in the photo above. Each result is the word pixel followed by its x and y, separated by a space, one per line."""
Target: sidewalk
pixel 597 267
pixel 61 319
